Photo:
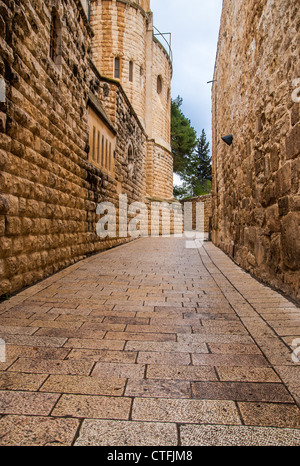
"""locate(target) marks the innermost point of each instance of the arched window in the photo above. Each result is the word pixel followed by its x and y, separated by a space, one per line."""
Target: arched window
pixel 130 153
pixel 55 38
pixel 159 84
pixel 130 158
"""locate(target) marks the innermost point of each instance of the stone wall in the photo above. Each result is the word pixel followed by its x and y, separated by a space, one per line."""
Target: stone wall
pixel 161 102
pixel 159 171
pixel 49 189
pixel 206 200
pixel 256 201
pixel 124 29
pixel 120 32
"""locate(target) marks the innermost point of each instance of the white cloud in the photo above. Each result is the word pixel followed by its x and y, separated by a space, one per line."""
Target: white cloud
pixel 194 25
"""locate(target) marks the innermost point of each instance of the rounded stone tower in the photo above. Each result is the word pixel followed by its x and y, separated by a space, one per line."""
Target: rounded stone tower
pixel 125 49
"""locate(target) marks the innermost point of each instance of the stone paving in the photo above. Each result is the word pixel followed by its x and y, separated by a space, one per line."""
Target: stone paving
pixel 150 344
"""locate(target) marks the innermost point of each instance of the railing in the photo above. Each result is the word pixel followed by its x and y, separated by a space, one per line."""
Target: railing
pixel 161 35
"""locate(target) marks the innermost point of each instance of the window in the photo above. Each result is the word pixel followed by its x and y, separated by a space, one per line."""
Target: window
pixel 98 148
pixel 131 71
pixel 109 157
pixel 55 38
pixel 130 154
pixel 159 84
pixel 102 142
pixel 94 143
pixel 102 153
pixel 106 153
pixel 130 158
pixel 117 68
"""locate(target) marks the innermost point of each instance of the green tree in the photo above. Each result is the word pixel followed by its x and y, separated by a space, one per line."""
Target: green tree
pixel 198 171
pixel 181 192
pixel 183 137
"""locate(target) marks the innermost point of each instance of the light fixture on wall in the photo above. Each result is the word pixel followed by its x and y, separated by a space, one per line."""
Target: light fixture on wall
pixel 228 139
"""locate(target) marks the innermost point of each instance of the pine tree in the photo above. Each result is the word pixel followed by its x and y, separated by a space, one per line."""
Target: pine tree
pixel 198 172
pixel 183 136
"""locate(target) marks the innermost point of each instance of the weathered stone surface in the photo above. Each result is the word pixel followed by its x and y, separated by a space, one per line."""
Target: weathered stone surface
pixel 37 431
pixel 124 433
pixel 293 143
pixel 238 436
pixel 261 168
pixel 137 390
pixel 50 187
pixel 290 227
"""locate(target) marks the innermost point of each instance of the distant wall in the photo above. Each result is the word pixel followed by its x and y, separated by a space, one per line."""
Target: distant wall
pixel 206 200
pixel 256 201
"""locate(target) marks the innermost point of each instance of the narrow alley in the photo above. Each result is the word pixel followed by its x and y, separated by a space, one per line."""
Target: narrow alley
pixel 150 344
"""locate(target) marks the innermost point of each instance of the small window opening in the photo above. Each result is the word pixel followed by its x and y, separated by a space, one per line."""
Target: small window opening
pixel 55 38
pixel 106 153
pixel 109 156
pixel 98 147
pixel 159 84
pixel 94 144
pixel 102 152
pixel 117 68
pixel 131 71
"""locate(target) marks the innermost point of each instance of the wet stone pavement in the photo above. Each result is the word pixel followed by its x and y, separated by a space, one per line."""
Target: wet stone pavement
pixel 150 344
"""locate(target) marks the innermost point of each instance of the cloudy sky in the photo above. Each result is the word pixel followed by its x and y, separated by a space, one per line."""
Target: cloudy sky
pixel 194 25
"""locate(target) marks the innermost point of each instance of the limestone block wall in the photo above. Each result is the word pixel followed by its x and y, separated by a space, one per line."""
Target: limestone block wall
pixel 165 217
pixel 206 200
pixel 124 29
pixel 159 171
pixel 120 31
pixel 256 202
pixel 49 191
pixel 145 4
pixel 161 101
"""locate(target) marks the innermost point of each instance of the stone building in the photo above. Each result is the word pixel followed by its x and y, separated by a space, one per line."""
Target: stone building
pixel 256 201
pixel 84 117
pixel 124 48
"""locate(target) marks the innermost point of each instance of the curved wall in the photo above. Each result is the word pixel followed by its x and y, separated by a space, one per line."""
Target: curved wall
pixel 161 102
pixel 124 30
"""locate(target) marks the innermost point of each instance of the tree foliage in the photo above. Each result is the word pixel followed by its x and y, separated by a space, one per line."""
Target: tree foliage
pixel 192 161
pixel 198 172
pixel 183 136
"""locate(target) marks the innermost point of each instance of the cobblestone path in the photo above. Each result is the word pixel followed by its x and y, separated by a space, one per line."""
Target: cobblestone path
pixel 150 344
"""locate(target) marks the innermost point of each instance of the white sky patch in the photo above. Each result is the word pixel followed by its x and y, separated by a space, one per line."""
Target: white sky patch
pixel 194 25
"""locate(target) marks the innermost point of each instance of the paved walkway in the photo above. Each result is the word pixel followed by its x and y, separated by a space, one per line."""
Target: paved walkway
pixel 150 344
